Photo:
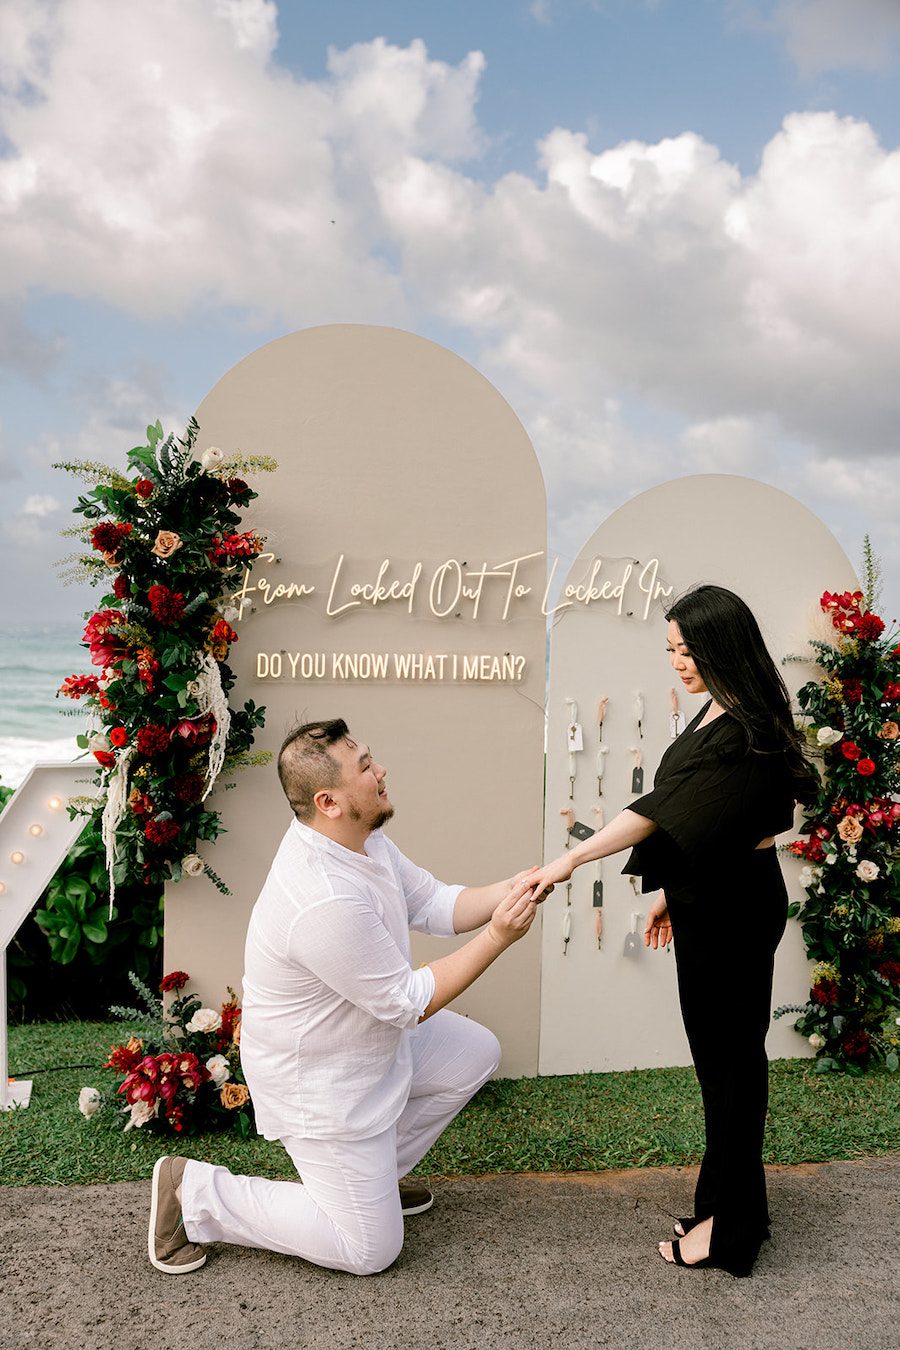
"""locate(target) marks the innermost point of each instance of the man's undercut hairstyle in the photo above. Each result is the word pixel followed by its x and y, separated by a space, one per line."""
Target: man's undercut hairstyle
pixel 306 766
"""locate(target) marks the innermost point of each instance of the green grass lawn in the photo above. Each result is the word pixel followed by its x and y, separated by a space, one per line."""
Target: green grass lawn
pixel 588 1122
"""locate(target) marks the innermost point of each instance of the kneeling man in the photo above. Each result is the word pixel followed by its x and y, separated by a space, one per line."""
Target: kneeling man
pixel 349 1058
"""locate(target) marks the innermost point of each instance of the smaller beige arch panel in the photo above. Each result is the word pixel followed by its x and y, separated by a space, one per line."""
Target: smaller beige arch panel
pixel 396 459
pixel 602 1009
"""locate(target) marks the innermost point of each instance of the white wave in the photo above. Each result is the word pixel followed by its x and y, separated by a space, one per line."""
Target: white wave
pixel 19 753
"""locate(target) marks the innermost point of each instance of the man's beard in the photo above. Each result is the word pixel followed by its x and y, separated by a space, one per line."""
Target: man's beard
pixel 380 816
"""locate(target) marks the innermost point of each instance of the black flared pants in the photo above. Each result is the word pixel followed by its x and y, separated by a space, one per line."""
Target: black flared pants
pixel 725 941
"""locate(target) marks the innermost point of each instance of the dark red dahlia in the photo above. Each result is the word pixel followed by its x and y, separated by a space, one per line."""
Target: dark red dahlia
pixel 825 993
pixel 121 587
pixel 853 690
pixel 152 741
pixel 161 832
pixel 166 606
pixel 892 692
pixel 237 489
pixel 175 980
pixel 890 971
pixel 188 788
pixel 107 538
pixel 857 1045
pixel 869 627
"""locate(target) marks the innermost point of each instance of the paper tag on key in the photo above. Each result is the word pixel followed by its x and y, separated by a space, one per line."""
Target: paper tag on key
pixel 574 737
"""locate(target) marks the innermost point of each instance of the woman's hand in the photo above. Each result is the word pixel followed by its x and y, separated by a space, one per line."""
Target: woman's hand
pixel 658 928
pixel 545 878
pixel 515 913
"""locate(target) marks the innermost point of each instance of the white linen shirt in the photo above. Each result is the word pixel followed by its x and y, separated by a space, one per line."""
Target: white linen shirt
pixel 330 998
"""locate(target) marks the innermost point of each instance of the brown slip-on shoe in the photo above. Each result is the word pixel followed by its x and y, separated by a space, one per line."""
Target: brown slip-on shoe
pixel 415 1197
pixel 168 1246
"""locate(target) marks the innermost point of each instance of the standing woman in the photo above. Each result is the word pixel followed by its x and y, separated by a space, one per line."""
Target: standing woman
pixel 705 836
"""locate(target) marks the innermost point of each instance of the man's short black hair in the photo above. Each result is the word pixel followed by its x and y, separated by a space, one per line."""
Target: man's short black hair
pixel 305 765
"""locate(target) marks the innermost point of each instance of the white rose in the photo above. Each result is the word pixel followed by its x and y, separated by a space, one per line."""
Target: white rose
pixel 828 736
pixel 140 1113
pixel 204 1019
pixel 88 1102
pixel 807 877
pixel 816 1041
pixel 218 1068
pixel 867 871
pixel 98 741
pixel 211 458
pixel 192 865
pixel 232 613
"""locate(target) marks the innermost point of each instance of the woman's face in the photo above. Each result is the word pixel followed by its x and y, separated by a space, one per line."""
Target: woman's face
pixel 682 661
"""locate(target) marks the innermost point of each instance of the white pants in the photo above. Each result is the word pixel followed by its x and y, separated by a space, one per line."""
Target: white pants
pixel 346 1215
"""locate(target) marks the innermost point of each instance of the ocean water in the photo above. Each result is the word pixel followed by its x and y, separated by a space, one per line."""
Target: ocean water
pixel 34 724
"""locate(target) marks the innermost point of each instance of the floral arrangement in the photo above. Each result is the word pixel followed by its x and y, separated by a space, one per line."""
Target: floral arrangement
pixel 851 875
pixel 165 546
pixel 184 1075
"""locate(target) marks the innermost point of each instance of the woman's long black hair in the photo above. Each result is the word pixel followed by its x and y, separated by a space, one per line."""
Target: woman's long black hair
pixel 727 647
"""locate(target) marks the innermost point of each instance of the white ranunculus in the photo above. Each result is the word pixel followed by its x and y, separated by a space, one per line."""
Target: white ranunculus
pixel 89 1102
pixel 140 1113
pixel 816 1041
pixel 192 865
pixel 205 1019
pixel 219 1070
pixel 99 741
pixel 809 876
pixel 868 871
pixel 231 613
pixel 211 458
pixel 828 736
pixel 831 858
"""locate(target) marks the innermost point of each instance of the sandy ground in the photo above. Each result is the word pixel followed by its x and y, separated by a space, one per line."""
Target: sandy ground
pixel 501 1261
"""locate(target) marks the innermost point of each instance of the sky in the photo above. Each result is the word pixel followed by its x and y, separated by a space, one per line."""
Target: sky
pixel 666 230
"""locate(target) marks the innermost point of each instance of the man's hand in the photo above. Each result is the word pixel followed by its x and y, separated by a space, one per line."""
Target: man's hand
pixel 515 913
pixel 658 928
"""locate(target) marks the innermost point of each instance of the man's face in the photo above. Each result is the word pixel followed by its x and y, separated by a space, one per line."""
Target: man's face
pixel 362 792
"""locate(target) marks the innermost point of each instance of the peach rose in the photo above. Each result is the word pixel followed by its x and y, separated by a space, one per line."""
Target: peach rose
pixel 889 731
pixel 166 544
pixel 234 1095
pixel 850 830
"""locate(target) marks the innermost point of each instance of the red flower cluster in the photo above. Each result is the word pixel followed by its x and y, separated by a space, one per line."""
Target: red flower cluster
pixel 188 788
pixel 78 686
pixel 147 667
pixel 166 606
pixel 161 831
pixel 175 980
pixel 890 971
pixel 141 804
pixel 891 692
pixel 124 1058
pixel 847 617
pixel 121 587
pixel 231 1016
pixel 152 741
pixel 161 1078
pixel 852 690
pixel 107 538
pixel 106 649
pixel 811 849
pixel 143 487
pixel 825 993
pixel 245 545
pixel 857 1045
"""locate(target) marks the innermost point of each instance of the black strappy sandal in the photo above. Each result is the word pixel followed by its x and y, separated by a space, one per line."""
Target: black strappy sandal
pixel 687 1222
pixel 680 1261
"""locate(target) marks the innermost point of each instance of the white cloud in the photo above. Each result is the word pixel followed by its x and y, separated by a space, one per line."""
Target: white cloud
pixel 837 34
pixel 39 505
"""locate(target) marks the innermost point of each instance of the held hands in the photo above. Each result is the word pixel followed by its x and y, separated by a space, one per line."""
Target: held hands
pixel 515 913
pixel 545 878
pixel 658 928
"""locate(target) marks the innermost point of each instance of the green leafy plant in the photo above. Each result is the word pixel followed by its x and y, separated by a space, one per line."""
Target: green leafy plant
pixel 850 916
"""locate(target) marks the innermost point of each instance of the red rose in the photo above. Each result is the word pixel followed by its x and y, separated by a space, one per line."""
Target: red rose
pixel 866 767
pixel 869 626
pixel 118 737
pixel 143 487
pixel 850 750
pixel 175 980
pixel 105 758
pixel 152 741
pixel 167 606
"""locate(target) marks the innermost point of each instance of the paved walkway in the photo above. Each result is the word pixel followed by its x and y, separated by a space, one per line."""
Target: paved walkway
pixel 501 1261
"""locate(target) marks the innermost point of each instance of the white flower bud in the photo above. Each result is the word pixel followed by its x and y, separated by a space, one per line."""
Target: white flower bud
pixel 88 1102
pixel 211 458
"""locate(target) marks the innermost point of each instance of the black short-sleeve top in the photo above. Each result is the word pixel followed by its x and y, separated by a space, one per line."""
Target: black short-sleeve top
pixel 713 800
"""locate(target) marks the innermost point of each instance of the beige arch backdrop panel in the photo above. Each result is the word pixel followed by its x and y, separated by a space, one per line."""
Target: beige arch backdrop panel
pixel 603 1009
pixel 402 473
